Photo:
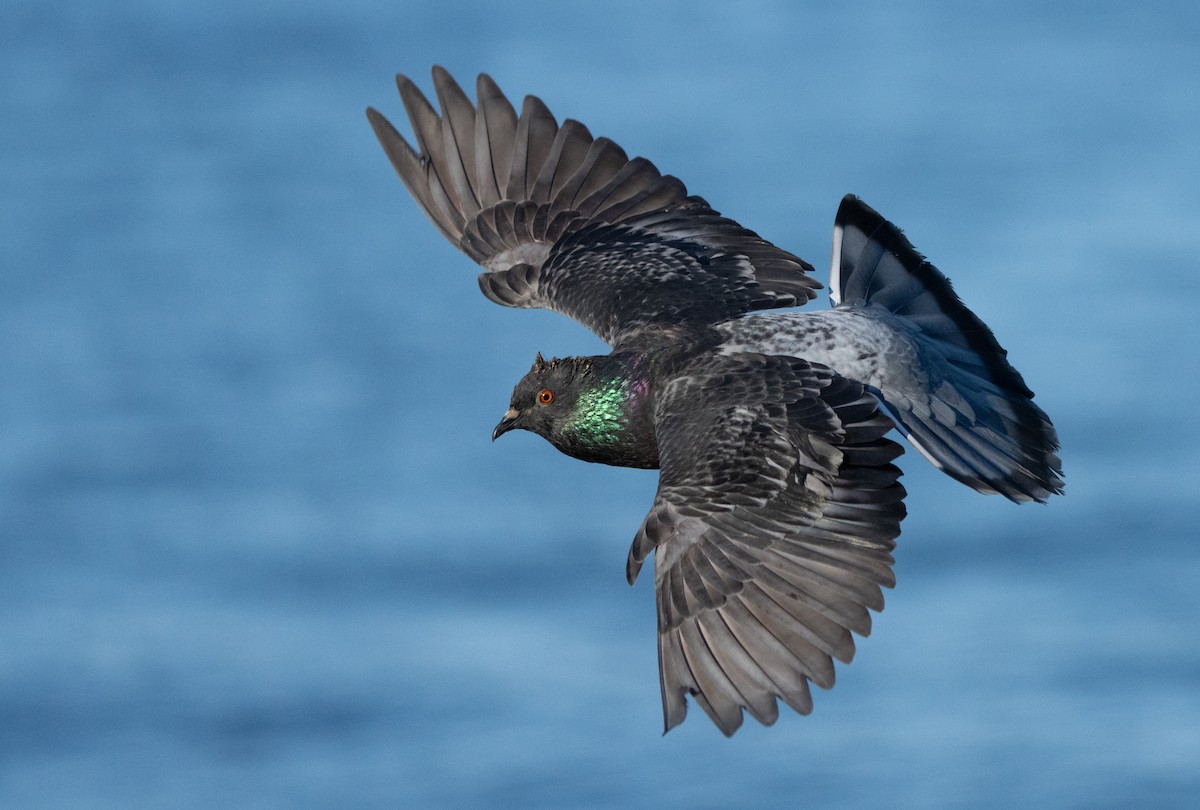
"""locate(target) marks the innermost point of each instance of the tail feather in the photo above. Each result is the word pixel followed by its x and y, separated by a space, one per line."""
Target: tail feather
pixel 976 419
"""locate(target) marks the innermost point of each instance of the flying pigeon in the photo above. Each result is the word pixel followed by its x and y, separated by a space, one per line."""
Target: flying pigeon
pixel 778 504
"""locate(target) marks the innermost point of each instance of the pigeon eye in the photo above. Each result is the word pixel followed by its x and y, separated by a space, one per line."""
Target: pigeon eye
pixel 545 396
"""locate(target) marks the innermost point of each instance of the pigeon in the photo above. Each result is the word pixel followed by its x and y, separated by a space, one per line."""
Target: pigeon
pixel 778 503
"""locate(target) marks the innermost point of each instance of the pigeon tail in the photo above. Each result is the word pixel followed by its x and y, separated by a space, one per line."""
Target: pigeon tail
pixel 977 421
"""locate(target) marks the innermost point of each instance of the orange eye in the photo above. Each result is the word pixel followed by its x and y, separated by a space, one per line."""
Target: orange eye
pixel 545 396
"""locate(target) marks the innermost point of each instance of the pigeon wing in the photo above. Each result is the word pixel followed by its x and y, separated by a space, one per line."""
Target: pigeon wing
pixel 772 529
pixel 564 221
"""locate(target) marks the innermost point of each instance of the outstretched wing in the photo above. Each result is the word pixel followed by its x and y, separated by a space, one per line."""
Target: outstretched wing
pixel 776 514
pixel 564 221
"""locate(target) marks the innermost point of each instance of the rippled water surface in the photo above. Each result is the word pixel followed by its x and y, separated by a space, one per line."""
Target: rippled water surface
pixel 256 549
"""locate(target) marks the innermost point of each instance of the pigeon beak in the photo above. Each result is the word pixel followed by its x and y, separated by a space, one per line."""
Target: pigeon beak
pixel 507 423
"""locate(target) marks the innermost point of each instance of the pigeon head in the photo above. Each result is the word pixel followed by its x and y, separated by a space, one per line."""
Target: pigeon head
pixel 545 398
pixel 587 407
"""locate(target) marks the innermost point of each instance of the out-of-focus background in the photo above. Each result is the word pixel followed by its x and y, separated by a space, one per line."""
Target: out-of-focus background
pixel 257 550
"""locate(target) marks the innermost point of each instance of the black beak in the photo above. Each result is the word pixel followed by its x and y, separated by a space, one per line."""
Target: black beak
pixel 507 423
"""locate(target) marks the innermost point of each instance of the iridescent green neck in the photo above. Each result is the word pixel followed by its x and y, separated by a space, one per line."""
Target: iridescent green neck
pixel 611 422
pixel 601 414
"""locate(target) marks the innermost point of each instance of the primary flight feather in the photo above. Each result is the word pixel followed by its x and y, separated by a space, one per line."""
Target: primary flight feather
pixel 778 504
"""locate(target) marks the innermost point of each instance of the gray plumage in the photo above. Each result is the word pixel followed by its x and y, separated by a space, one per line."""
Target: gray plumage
pixel 778 504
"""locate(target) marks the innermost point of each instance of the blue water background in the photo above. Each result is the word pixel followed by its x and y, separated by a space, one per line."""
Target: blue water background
pixel 256 549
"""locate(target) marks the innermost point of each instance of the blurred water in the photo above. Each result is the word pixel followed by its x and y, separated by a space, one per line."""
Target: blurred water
pixel 256 549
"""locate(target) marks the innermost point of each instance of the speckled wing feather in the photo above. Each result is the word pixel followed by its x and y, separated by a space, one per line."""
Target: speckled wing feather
pixel 564 221
pixel 776 514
